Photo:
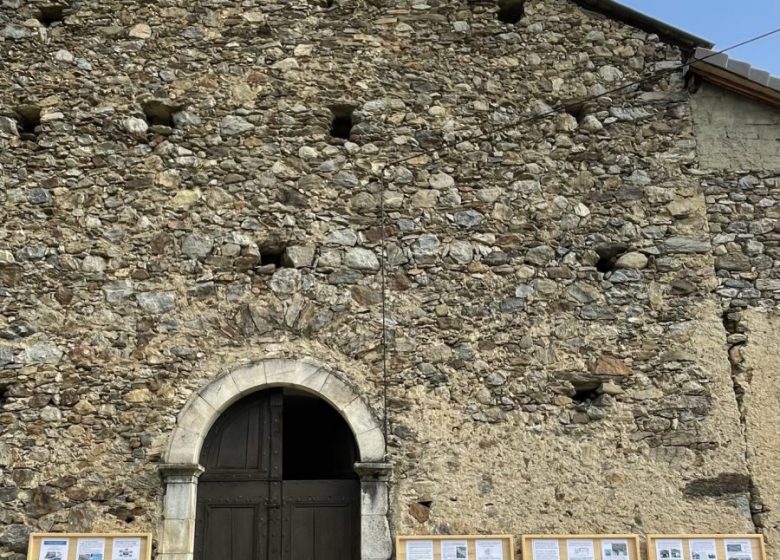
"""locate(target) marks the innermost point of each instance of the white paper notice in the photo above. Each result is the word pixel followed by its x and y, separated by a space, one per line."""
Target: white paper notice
pixel 668 550
pixel 489 550
pixel 126 549
pixel 454 550
pixel 614 550
pixel 546 550
pixel 580 550
pixel 739 550
pixel 54 549
pixel 703 549
pixel 90 549
pixel 419 550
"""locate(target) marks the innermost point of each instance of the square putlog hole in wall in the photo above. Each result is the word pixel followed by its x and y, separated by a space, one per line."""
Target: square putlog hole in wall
pixel 580 110
pixel 586 392
pixel 608 254
pixel 28 121
pixel 51 14
pixel 341 125
pixel 160 113
pixel 4 395
pixel 511 11
pixel 273 253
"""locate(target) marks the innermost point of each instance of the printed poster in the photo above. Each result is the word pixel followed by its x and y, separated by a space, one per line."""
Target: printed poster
pixel 739 549
pixel 580 550
pixel 614 550
pixel 703 549
pixel 454 550
pixel 417 550
pixel 126 549
pixel 90 549
pixel 54 549
pixel 546 550
pixel 489 550
pixel 668 549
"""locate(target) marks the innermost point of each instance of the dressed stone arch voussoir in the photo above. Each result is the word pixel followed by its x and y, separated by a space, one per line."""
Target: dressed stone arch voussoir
pixel 180 469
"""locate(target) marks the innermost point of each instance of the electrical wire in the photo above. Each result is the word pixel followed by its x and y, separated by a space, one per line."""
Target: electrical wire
pixel 382 264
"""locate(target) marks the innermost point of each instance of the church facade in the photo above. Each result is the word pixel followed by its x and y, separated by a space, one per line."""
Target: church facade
pixel 286 279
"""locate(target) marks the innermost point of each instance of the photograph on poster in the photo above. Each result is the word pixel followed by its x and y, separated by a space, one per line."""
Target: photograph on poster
pixel 546 550
pixel 739 549
pixel 54 549
pixel 668 549
pixel 419 550
pixel 580 550
pixel 454 550
pixel 614 550
pixel 703 549
pixel 90 549
pixel 489 550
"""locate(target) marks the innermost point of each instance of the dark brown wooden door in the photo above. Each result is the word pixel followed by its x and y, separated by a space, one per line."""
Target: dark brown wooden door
pixel 321 520
pixel 246 510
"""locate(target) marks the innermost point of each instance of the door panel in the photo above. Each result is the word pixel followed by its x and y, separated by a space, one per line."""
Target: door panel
pixel 321 519
pixel 301 545
pixel 232 521
pixel 246 441
pixel 228 533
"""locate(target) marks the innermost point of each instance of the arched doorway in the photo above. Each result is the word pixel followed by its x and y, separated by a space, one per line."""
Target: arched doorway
pixel 278 482
pixel 180 469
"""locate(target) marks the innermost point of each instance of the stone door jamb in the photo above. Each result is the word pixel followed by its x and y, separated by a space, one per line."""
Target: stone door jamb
pixel 180 469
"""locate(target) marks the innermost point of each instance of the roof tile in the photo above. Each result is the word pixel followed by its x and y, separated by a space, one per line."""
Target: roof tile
pixel 759 76
pixel 738 67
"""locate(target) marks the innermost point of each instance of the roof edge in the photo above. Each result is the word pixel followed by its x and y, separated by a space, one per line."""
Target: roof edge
pixel 666 32
pixel 735 75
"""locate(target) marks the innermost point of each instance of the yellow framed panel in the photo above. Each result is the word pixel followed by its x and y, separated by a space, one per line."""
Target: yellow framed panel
pixel 598 542
pixel 507 544
pixel 36 541
pixel 690 548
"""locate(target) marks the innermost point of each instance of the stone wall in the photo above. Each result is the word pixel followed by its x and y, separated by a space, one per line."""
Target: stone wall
pixel 556 356
pixel 734 132
pixel 743 213
pixel 736 140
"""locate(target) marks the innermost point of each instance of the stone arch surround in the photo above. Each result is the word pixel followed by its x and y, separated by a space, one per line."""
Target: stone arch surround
pixel 180 468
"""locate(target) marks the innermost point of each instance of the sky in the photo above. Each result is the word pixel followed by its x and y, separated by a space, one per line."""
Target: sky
pixel 725 23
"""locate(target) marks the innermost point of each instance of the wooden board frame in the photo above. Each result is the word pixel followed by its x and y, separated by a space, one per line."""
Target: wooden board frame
pixel 507 540
pixel 34 547
pixel 633 544
pixel 720 543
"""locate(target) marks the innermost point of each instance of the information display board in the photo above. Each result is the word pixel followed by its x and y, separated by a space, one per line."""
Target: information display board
pixel 90 546
pixel 580 547
pixel 455 547
pixel 705 547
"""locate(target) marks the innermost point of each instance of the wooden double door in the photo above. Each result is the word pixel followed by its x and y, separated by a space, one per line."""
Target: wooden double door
pixel 253 504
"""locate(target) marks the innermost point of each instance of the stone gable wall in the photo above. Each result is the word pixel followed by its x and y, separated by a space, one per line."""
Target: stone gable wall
pixel 556 357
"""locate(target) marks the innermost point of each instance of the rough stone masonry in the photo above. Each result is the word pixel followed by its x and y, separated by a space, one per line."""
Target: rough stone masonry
pixel 579 315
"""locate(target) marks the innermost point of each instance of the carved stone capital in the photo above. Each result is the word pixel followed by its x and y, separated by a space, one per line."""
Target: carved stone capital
pixel 179 473
pixel 374 471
